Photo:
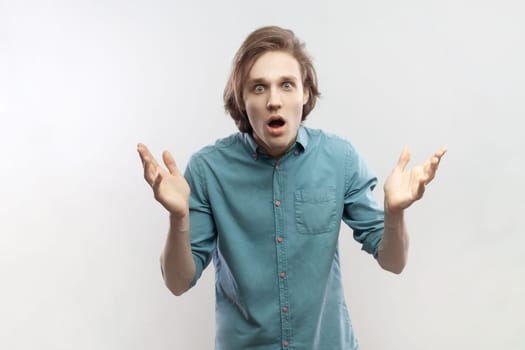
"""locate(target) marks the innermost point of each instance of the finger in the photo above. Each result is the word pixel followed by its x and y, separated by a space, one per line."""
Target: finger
pixel 441 152
pixel 432 164
pixel 404 158
pixel 145 154
pixel 150 171
pixel 140 150
pixel 420 191
pixel 429 176
pixel 156 182
pixel 436 158
pixel 170 163
pixel 143 150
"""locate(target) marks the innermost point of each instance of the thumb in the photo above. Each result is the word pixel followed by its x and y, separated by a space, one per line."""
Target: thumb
pixel 170 162
pixel 404 158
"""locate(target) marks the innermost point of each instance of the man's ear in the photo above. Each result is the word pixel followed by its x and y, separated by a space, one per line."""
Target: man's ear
pixel 306 96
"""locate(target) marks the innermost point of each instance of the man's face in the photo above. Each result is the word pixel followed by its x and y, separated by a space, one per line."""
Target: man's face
pixel 274 98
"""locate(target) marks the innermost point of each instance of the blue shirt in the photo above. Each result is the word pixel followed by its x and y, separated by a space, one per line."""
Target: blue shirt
pixel 271 227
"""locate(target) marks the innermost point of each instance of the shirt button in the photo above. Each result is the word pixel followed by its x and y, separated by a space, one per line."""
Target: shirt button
pixel 285 309
pixel 277 203
pixel 276 167
pixel 279 239
pixel 254 155
pixel 296 152
pixel 282 274
pixel 285 343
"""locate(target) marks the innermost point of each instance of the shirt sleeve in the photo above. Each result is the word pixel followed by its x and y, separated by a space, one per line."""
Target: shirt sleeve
pixel 203 235
pixel 361 211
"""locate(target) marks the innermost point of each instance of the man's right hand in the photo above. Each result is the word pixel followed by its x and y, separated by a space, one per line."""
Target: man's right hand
pixel 169 188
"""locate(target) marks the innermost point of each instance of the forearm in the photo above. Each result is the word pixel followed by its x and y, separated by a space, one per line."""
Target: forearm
pixel 393 248
pixel 176 260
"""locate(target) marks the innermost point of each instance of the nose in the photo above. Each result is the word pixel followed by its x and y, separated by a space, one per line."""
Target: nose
pixel 274 100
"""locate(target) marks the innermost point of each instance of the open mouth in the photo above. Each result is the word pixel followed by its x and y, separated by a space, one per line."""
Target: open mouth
pixel 276 122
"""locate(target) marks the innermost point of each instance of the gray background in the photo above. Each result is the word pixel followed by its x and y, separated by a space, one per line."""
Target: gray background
pixel 81 82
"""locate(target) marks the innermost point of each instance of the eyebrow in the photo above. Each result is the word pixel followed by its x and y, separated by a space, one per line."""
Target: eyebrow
pixel 256 81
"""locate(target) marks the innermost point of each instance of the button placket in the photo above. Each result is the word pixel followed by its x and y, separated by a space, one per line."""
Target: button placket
pixel 280 203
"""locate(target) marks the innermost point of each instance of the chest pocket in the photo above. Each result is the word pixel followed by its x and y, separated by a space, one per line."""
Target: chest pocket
pixel 315 211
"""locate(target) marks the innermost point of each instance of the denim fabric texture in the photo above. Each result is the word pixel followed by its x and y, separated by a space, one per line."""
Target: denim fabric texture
pixel 271 228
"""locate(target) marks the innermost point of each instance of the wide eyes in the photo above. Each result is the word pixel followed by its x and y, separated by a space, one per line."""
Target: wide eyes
pixel 259 88
pixel 287 85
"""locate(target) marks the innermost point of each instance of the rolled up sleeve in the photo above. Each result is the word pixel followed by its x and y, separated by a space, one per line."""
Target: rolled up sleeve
pixel 362 213
pixel 203 234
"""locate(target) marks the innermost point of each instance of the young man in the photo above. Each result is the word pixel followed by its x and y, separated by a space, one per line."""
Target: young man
pixel 266 204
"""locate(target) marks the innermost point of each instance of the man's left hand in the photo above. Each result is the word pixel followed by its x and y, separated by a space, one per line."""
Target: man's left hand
pixel 403 187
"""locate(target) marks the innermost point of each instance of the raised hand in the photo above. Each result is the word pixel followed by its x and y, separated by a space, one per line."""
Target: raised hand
pixel 404 187
pixel 169 187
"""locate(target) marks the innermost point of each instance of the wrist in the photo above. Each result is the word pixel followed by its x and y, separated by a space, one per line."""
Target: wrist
pixel 179 214
pixel 179 222
pixel 392 211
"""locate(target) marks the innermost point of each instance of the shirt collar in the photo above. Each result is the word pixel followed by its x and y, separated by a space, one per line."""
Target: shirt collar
pixel 301 141
pixel 302 138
